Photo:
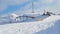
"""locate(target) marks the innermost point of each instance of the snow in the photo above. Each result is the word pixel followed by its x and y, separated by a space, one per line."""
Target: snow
pixel 31 27
pixel 13 16
pixel 20 18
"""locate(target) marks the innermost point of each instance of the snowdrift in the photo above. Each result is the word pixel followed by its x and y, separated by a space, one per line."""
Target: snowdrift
pixel 29 28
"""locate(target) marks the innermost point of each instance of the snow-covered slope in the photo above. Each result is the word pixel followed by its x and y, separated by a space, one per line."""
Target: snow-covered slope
pixel 14 18
pixel 31 27
pixel 9 18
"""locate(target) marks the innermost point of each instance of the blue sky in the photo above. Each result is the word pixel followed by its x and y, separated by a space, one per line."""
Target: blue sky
pixel 22 6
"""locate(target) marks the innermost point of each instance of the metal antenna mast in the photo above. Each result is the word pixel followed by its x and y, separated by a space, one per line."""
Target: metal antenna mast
pixel 32 7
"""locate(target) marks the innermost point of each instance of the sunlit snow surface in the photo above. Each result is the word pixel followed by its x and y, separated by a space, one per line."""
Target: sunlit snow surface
pixel 31 27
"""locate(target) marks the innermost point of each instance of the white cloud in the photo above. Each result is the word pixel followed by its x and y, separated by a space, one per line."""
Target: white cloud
pixel 5 3
pixel 37 5
pixel 14 2
pixel 47 1
pixel 3 7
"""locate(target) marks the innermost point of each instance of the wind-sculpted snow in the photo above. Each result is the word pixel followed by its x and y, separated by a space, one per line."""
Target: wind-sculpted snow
pixel 29 28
